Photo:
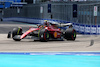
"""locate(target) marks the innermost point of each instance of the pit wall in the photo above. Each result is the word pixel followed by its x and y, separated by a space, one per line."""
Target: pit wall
pixel 80 28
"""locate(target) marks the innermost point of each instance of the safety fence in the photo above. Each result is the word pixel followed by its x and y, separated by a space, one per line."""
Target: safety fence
pixel 79 12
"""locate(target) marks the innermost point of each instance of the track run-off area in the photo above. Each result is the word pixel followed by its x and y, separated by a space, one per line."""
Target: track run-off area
pixel 82 42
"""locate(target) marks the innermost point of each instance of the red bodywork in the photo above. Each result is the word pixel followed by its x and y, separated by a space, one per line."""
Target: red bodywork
pixel 54 31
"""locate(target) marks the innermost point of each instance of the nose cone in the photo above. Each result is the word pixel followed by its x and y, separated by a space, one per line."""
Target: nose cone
pixel 22 36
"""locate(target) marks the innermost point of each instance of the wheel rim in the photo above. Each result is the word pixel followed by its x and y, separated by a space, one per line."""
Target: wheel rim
pixel 18 31
pixel 47 35
pixel 74 34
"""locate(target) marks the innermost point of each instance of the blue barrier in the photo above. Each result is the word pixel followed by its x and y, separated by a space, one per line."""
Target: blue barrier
pixel 87 29
pixel 98 29
pixel 76 27
pixel 80 28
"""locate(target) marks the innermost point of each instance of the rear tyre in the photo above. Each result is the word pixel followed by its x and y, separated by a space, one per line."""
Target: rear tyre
pixel 70 34
pixel 16 31
pixel 44 35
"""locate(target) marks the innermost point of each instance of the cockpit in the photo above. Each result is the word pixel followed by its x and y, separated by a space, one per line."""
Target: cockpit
pixel 46 23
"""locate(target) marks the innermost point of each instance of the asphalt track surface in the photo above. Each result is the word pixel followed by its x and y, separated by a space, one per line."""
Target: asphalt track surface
pixel 82 42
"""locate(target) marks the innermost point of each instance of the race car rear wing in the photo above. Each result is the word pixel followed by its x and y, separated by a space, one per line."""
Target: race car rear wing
pixel 67 24
pixel 60 24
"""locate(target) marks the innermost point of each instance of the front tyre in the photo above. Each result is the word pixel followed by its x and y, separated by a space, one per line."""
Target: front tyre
pixel 44 35
pixel 70 34
pixel 16 31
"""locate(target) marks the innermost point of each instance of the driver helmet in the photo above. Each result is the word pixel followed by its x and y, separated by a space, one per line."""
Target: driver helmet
pixel 45 22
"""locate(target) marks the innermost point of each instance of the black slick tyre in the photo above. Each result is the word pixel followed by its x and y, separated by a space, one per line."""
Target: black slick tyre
pixel 70 34
pixel 44 35
pixel 16 31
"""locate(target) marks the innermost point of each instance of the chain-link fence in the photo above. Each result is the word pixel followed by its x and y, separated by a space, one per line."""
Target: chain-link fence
pixel 59 11
pixel 85 16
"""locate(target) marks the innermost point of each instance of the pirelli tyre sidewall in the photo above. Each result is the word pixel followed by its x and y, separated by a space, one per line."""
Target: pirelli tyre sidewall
pixel 44 35
pixel 16 31
pixel 70 34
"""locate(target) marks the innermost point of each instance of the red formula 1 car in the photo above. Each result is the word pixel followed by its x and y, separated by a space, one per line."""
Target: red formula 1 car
pixel 47 31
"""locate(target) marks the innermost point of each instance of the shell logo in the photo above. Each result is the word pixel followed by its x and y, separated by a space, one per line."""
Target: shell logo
pixel 55 34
